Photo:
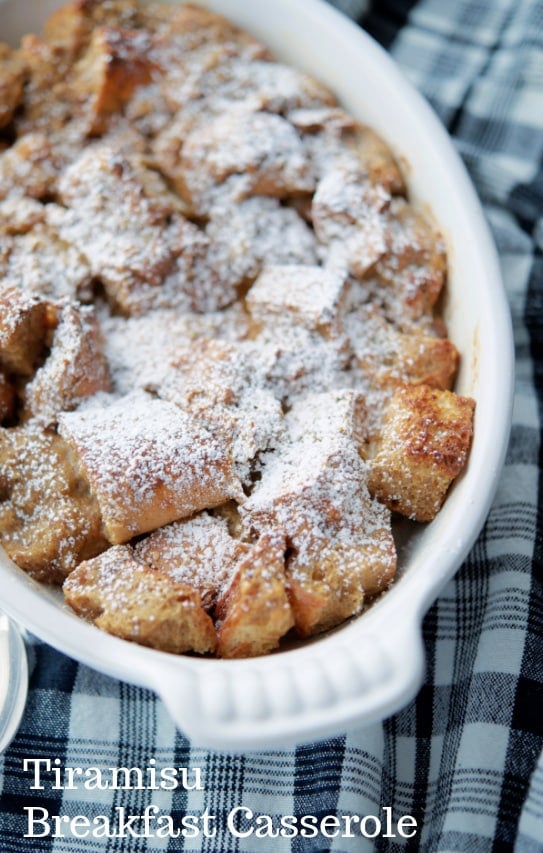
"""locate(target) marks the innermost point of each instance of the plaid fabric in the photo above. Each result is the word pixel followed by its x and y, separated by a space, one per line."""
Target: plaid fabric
pixel 465 758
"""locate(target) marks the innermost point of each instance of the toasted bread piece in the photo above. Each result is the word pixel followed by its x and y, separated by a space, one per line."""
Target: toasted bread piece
pixel 254 611
pixel 29 168
pixel 313 489
pixel 424 443
pixel 115 64
pixel 198 551
pixel 13 71
pixel 309 296
pixel 38 261
pixel 126 598
pixel 333 579
pixel 348 216
pixel 227 392
pixel 333 134
pixel 71 27
pixel 146 254
pixel 222 75
pixel 390 358
pixel 23 329
pixel 18 215
pixel 224 374
pixel 254 233
pixel 241 154
pixel 49 521
pixel 413 267
pixel 149 463
pixel 47 104
pixel 75 368
pixel 375 157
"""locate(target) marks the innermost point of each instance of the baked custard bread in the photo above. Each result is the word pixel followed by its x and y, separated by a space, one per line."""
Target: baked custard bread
pixel 223 364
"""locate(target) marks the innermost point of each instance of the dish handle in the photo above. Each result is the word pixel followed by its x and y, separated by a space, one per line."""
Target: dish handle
pixel 302 695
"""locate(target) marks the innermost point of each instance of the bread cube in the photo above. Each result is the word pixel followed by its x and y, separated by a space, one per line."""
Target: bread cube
pixel 226 392
pixel 424 443
pixel 145 253
pixel 13 71
pixel 224 374
pixel 18 215
pixel 149 463
pixel 116 63
pixel 47 104
pixel 332 579
pixel 310 296
pixel 72 25
pixel 413 268
pixel 390 358
pixel 23 330
pixel 375 158
pixel 49 521
pixel 332 134
pixel 126 598
pixel 75 368
pixel 254 611
pixel 348 217
pixel 241 154
pixel 29 168
pixel 198 551
pixel 119 227
pixel 40 262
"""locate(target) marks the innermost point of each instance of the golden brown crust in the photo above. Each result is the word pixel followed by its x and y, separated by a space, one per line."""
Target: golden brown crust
pixel 115 64
pixel 23 330
pixel 424 444
pixel 49 522
pixel 76 367
pixel 126 598
pixel 375 158
pixel 254 612
pixel 30 167
pixel 413 267
pixel 390 358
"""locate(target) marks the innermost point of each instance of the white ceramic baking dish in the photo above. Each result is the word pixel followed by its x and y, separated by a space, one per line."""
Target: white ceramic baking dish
pixel 373 665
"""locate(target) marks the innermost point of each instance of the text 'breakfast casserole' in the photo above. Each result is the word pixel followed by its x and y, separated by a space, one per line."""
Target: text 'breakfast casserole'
pixel 223 365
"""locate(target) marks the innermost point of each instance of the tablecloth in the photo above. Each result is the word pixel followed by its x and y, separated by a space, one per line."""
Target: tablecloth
pixel 464 759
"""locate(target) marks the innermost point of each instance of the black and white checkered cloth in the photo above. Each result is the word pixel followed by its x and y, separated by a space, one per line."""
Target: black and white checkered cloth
pixel 465 758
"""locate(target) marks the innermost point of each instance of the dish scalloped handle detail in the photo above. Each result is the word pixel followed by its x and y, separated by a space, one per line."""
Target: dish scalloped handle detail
pixel 301 696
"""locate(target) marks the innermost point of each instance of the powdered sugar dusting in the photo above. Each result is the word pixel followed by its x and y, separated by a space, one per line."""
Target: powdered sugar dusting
pixel 199 552
pixel 148 463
